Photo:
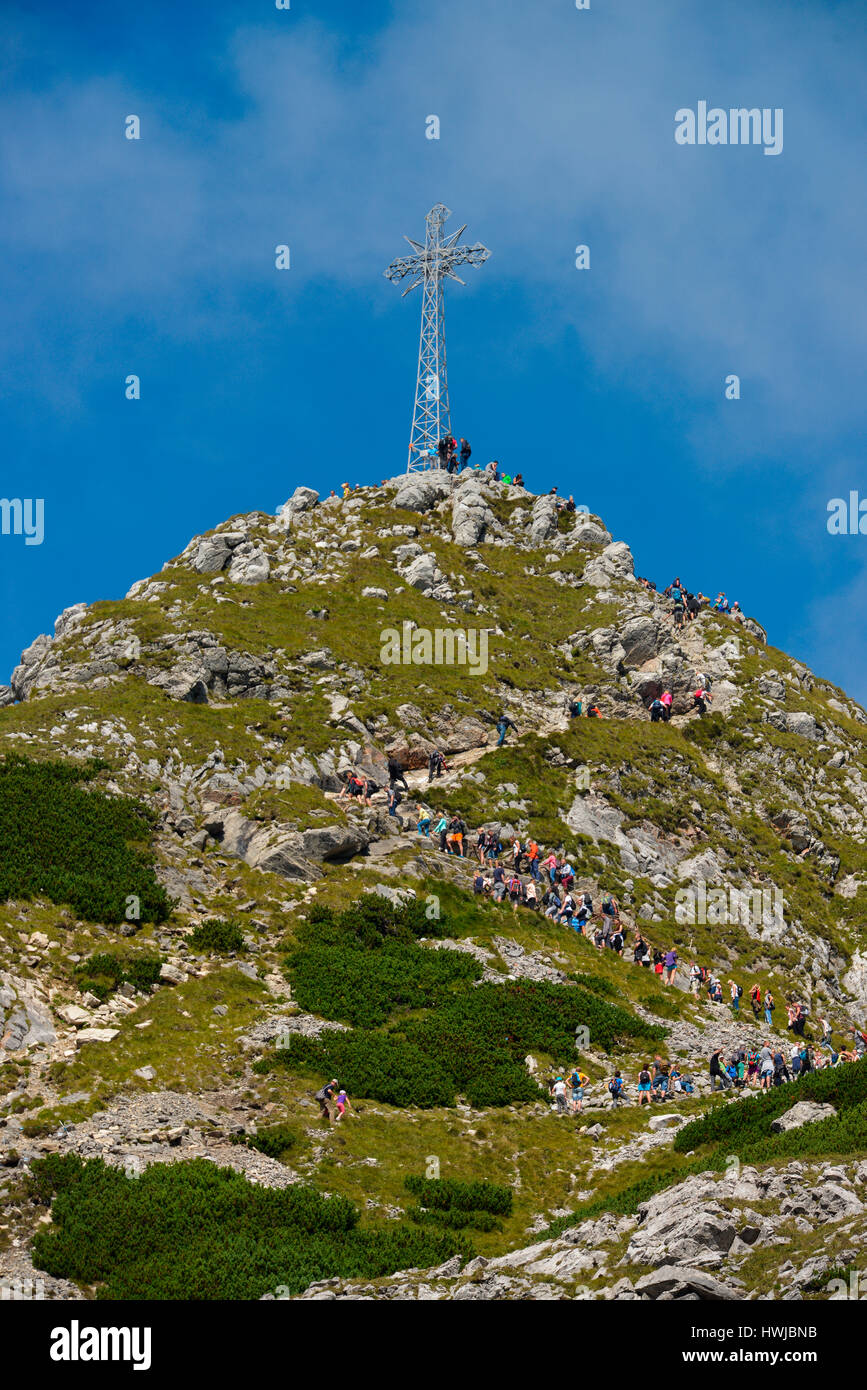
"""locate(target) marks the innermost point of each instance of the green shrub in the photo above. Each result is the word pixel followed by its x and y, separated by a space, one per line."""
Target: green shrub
pixel 737 1127
pixel 192 1231
pixel 75 845
pixel 361 965
pixel 273 1140
pixel 368 1064
pixel 103 973
pixel 449 1194
pixel 217 935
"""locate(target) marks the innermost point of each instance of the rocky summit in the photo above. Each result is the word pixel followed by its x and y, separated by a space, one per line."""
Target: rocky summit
pixel 258 960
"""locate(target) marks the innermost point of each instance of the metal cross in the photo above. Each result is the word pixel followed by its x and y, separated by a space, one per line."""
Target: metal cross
pixel 433 261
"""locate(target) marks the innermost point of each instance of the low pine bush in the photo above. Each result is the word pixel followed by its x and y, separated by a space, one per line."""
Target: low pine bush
pixel 103 973
pixel 223 938
pixel 191 1230
pixel 75 845
pixel 449 1194
pixel 274 1140
pixel 361 965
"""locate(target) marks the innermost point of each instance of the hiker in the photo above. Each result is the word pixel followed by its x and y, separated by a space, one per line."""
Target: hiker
pixel 735 991
pixel 769 1008
pixel 422 821
pixel 575 707
pixel 396 774
pixel 455 836
pixel 694 979
pixel 533 853
pixel 515 890
pixel 767 1067
pixel 594 712
pixel 640 950
pixel 665 700
pixel 519 480
pixel 324 1097
pixel 677 598
pixel 615 1087
pixel 558 1091
pixel 756 1001
pixel 445 449
pixel 657 711
pixel 578 1081
pixel 717 1073
pixel 669 967
pixel 531 896
pixel 466 451
pixel 700 699
pixel 436 763
pixel 441 829
pixel 494 470
pixel 342 1105
pixel 644 1084
pixel 551 903
pixel 504 723
pixel 394 800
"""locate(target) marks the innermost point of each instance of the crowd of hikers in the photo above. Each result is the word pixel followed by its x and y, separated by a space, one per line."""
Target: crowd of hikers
pixel 686 606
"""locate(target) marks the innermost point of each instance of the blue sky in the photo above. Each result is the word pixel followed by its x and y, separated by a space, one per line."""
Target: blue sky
pixel 307 127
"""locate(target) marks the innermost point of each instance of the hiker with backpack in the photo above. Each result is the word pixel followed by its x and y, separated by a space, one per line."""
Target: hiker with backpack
pixel 700 700
pixel 657 711
pixel 644 1085
pixel 504 723
pixel 515 890
pixel 616 1090
pixel 756 1001
pixel 396 774
pixel 436 763
pixel 324 1096
pixel 735 991
pixel 465 454
pixel 578 1082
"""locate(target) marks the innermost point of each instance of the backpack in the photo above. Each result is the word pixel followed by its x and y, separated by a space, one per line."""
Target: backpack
pixel 738 991
pixel 615 1085
pixel 644 1078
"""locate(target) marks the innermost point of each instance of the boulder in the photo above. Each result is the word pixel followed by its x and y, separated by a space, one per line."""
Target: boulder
pixel 303 499
pixel 471 515
pixel 544 519
pixel 420 492
pixel 614 564
pixel 805 1112
pixel 642 639
pixel 25 1019
pixel 681 1280
pixel 249 565
pixel 423 572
